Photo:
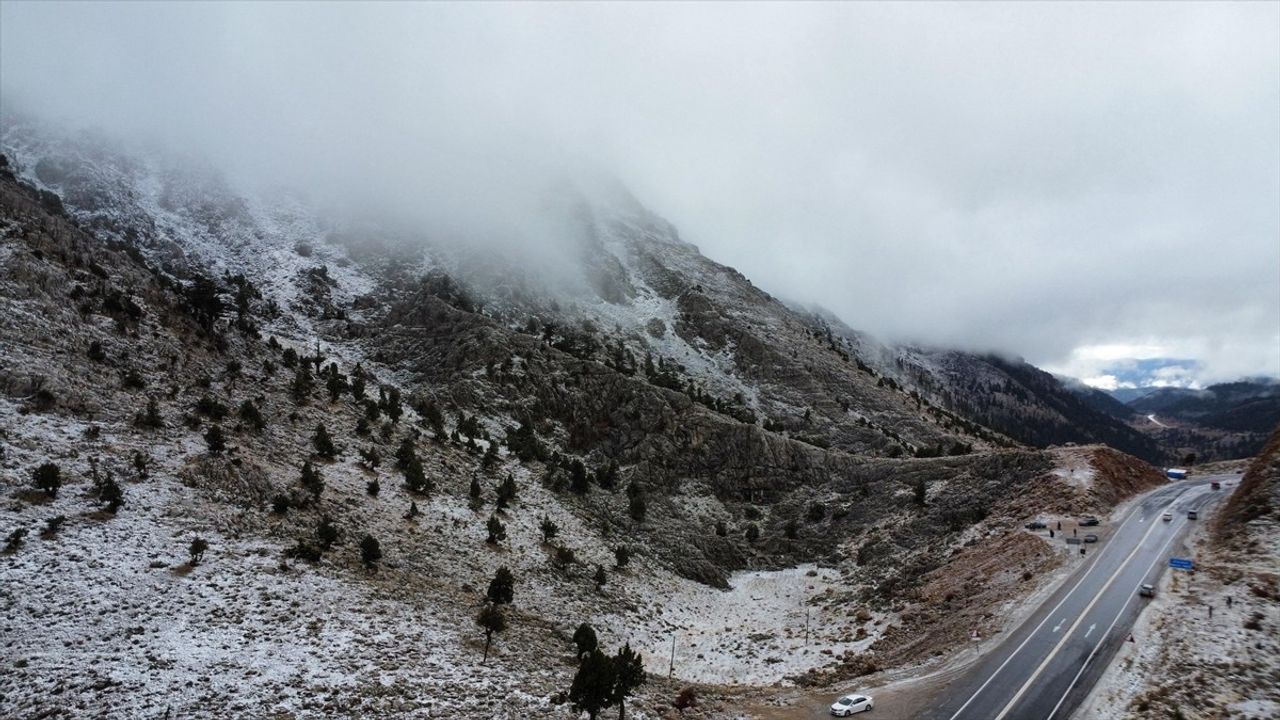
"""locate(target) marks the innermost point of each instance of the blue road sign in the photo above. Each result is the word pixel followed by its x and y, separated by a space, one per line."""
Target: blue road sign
pixel 1181 563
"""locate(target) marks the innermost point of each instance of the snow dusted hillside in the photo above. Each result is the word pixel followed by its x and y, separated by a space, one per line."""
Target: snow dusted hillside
pixel 716 468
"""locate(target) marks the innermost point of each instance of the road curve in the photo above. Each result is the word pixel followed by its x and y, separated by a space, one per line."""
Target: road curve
pixel 1047 665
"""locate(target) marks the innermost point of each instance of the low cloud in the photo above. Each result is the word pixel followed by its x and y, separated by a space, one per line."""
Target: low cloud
pixel 1032 179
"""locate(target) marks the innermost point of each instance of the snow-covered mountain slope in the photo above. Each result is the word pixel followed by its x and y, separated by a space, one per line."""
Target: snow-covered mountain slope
pixel 667 440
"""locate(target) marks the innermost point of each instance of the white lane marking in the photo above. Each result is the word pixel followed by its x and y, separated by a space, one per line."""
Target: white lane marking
pixel 1105 635
pixel 1058 627
pixel 1092 627
pixel 1093 564
pixel 1056 648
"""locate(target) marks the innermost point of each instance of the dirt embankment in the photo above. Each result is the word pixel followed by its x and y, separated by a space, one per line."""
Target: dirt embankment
pixel 998 562
pixel 1256 498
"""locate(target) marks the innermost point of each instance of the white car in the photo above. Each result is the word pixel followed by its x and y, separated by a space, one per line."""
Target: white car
pixel 1168 516
pixel 850 704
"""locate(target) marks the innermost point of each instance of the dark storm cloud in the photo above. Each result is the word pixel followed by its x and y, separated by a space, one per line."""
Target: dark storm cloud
pixel 1040 179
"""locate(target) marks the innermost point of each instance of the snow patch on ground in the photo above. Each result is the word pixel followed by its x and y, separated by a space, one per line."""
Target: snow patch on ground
pixel 753 633
pixel 1074 467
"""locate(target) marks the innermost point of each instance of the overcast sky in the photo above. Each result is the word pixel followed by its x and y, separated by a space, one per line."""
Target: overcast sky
pixel 1079 184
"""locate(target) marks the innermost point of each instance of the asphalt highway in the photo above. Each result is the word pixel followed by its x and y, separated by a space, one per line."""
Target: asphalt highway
pixel 1045 667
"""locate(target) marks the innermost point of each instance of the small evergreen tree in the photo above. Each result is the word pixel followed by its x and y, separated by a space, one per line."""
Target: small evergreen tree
pixel 585 638
pixel 108 491
pixel 357 383
pixel 416 478
pixel 413 511
pixel 506 492
pixel 621 556
pixel 302 383
pixel 96 353
pixel 370 551
pixel 326 533
pixel 491 620
pixel 600 577
pixel 592 688
pixel 196 551
pixel 48 478
pixel 370 457
pixel 501 587
pixel 476 500
pixel 628 674
pixel 722 529
pixel 752 532
pixel 312 481
pixel 280 503
pixel 497 531
pixel 490 456
pixel 323 443
pixel 919 491
pixel 578 481
pixel 549 529
pixel 372 487
pixel 251 416
pixel 214 438
pixel 150 418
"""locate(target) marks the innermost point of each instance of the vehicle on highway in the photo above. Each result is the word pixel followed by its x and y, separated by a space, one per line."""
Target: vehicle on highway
pixel 1146 590
pixel 1091 538
pixel 1088 521
pixel 1168 516
pixel 1192 515
pixel 1035 525
pixel 850 704
pixel 1215 485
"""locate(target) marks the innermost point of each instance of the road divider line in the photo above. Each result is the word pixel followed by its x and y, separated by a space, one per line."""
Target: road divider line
pixel 1092 564
pixel 1159 556
pixel 1057 648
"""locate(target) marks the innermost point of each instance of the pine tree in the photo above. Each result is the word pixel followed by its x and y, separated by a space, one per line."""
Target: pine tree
pixel 919 491
pixel 323 443
pixel 491 620
pixel 549 529
pixel 336 384
pixel 302 383
pixel 214 438
pixel 600 577
pixel 506 492
pixel 196 551
pixel 476 501
pixel 752 532
pixel 497 531
pixel 312 480
pixel 107 490
pixel 578 481
pixel 416 478
pixel 326 533
pixel 370 551
pixel 150 418
pixel 592 689
pixel 490 456
pixel 372 488
pixel 251 416
pixel 501 587
pixel 628 674
pixel 413 511
pixel 585 638
pixel 358 383
pixel 621 556
pixel 48 478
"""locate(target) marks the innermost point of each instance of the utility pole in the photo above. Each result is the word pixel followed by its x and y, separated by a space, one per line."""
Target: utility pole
pixel 671 671
pixel 806 626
